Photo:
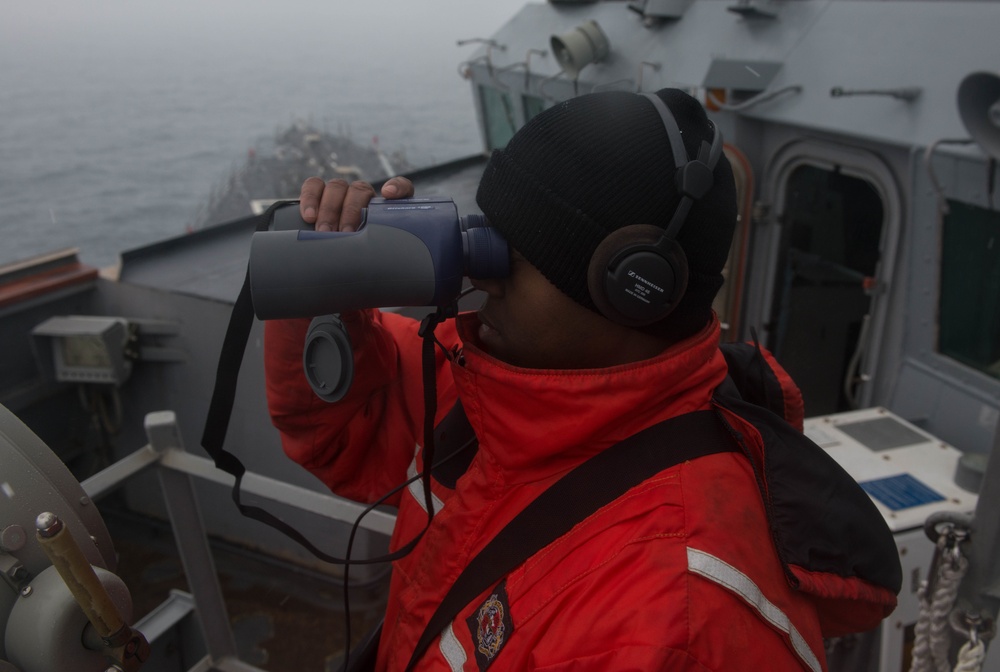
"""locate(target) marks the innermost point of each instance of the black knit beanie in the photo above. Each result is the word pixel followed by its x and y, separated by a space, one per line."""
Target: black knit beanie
pixel 593 164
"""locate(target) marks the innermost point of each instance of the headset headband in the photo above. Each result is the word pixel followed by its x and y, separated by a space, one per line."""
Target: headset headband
pixel 694 177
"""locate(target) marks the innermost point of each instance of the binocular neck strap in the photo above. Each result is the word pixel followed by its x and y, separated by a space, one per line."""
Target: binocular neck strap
pixel 224 394
pixel 429 372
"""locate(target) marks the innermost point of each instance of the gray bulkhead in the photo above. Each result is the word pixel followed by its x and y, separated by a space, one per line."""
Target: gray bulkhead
pixel 851 92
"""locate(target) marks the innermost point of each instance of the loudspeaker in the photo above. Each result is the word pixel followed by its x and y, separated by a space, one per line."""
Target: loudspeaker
pixel 979 107
pixel 580 47
pixel 638 274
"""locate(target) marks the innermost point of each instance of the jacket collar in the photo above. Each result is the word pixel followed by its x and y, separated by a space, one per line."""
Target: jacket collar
pixel 536 423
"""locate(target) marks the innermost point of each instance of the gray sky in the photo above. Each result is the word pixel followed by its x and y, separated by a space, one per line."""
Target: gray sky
pixel 379 25
pixel 326 41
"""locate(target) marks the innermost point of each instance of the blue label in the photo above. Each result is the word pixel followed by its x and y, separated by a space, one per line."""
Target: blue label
pixel 901 492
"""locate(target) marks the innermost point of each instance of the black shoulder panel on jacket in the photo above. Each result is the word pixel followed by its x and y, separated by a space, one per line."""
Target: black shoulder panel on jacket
pixel 754 377
pixel 821 518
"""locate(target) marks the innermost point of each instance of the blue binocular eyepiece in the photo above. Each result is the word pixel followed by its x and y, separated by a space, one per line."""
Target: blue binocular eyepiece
pixel 407 252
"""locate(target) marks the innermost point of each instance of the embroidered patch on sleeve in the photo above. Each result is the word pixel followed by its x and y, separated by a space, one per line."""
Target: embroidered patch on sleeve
pixel 491 626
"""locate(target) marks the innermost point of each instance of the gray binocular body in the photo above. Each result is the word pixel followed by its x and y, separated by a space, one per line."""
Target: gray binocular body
pixel 407 252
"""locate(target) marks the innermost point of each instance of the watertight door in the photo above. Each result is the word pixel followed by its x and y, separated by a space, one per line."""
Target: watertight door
pixel 832 226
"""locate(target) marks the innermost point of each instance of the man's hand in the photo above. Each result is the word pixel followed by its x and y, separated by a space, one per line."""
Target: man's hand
pixel 337 205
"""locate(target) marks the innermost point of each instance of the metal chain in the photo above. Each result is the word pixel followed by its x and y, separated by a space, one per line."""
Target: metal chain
pixel 937 598
pixel 971 656
pixel 979 629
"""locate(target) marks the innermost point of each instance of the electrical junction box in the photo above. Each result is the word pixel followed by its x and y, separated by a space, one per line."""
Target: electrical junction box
pixel 83 349
pixel 909 475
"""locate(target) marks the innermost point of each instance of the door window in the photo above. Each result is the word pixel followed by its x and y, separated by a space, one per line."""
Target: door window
pixel 829 251
pixel 532 106
pixel 498 113
pixel 969 315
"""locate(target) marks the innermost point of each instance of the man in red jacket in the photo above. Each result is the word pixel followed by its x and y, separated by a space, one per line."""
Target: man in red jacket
pixel 573 352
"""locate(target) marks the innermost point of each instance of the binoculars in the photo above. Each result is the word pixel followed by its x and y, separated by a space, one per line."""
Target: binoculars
pixel 407 252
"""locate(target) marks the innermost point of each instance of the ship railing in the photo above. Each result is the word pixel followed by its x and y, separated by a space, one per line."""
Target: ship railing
pixel 176 469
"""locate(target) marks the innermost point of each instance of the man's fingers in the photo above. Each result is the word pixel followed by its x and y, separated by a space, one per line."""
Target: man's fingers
pixel 309 196
pixel 337 205
pixel 357 198
pixel 330 205
pixel 397 187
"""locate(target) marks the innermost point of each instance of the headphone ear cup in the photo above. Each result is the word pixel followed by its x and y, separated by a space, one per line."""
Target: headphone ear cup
pixel 635 277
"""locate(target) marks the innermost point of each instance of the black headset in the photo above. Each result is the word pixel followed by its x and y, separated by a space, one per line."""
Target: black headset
pixel 639 273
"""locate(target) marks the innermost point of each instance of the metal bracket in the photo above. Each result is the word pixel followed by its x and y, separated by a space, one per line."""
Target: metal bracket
pixel 15 574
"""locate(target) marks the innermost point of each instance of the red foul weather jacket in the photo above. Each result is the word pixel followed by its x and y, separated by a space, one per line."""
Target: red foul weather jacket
pixel 684 572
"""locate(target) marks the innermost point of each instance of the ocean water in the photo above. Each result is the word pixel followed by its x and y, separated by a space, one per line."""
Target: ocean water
pixel 117 119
